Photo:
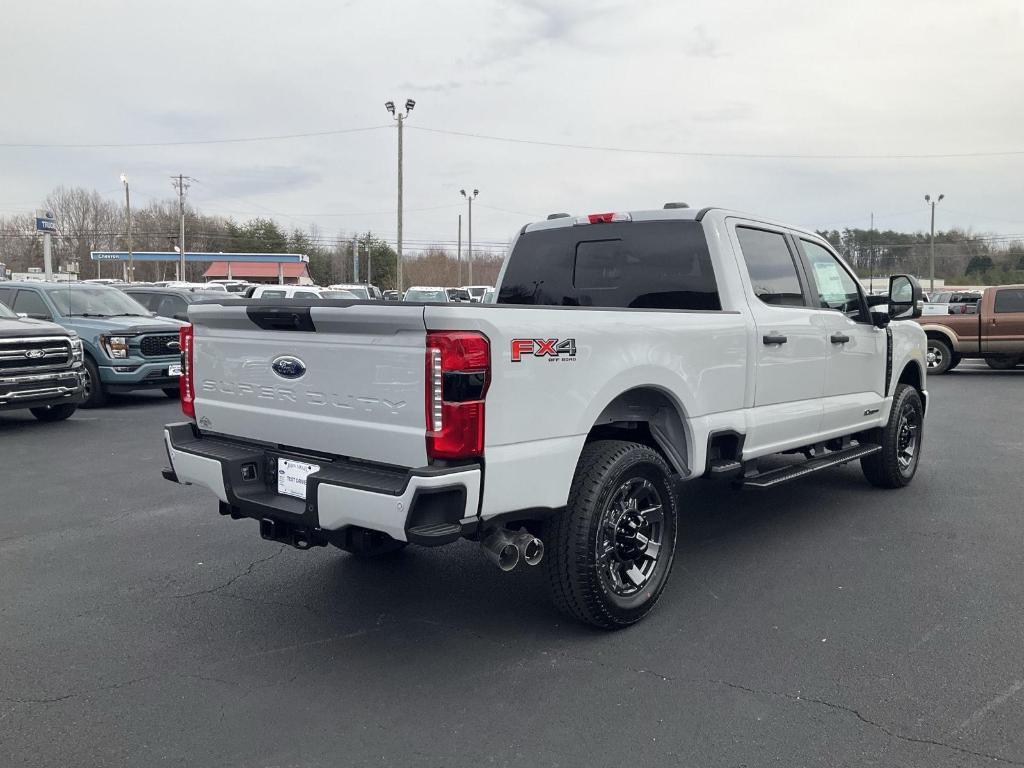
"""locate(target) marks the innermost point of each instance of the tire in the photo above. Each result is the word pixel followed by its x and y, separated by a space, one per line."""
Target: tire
pixel 94 394
pixel 172 392
pixel 593 543
pixel 893 467
pixel 54 412
pixel 1002 363
pixel 939 357
pixel 957 359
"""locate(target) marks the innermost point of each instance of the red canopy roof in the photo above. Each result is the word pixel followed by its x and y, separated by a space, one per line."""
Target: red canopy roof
pixel 243 269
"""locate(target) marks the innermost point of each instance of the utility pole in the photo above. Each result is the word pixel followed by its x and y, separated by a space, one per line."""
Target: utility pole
pixel 181 184
pixel 355 259
pixel 931 260
pixel 369 261
pixel 400 117
pixel 469 254
pixel 128 209
pixel 871 255
pixel 459 252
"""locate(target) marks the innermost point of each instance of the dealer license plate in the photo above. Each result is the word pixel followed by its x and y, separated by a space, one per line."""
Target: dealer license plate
pixel 174 370
pixel 291 477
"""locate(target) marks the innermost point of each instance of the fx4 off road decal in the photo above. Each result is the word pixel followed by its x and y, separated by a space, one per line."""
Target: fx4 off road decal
pixel 552 349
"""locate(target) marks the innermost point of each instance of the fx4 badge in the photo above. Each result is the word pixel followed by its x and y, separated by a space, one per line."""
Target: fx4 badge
pixel 554 349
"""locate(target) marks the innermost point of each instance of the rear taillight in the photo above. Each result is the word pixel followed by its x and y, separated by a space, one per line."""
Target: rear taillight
pixel 186 384
pixel 458 372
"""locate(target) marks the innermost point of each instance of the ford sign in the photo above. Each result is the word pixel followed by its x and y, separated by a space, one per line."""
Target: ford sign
pixel 288 367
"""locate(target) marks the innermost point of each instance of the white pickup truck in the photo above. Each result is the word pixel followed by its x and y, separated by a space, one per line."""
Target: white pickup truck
pixel 625 352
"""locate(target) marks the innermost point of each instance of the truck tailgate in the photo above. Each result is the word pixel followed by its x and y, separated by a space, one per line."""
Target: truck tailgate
pixel 349 380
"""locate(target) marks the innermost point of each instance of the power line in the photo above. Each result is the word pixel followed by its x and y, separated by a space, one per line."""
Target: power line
pixel 514 140
pixel 737 155
pixel 193 142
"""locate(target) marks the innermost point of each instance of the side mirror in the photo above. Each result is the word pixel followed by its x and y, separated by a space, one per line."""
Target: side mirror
pixel 906 299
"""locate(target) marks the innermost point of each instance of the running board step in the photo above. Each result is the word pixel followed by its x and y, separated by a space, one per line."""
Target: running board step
pixel 785 474
pixel 724 466
pixel 434 534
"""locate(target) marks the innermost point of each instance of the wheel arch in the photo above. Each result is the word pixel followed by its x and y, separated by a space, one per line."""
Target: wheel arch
pixel 650 415
pixel 913 374
pixel 942 333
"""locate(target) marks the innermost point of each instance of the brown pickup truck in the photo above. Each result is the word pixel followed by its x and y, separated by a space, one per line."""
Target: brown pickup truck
pixel 996 333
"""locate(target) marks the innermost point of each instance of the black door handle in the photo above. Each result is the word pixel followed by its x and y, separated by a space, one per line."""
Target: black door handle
pixel 839 338
pixel 774 338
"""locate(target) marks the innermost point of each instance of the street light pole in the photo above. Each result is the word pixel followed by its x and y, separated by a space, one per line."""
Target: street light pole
pixel 128 209
pixel 469 253
pixel 400 117
pixel 931 261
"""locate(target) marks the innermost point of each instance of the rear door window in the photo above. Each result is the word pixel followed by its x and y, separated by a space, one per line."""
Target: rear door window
pixel 148 300
pixel 1009 300
pixel 170 306
pixel 771 266
pixel 634 265
pixel 272 295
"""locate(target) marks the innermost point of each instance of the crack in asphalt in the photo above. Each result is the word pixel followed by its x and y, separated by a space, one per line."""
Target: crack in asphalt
pixel 809 700
pixel 856 713
pixel 65 697
pixel 248 571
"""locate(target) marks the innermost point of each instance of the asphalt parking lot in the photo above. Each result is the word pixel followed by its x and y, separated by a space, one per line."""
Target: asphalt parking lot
pixel 820 623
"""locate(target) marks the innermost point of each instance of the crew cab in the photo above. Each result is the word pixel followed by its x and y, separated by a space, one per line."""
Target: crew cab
pixel 625 352
pixel 995 332
pixel 40 367
pixel 125 347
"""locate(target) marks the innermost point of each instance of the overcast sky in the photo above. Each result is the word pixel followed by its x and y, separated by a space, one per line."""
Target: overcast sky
pixel 778 78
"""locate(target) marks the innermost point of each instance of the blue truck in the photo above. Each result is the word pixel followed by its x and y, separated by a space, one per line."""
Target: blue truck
pixel 126 348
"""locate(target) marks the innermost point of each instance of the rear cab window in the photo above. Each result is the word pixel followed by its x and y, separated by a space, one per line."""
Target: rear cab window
pixel 1009 300
pixel 620 265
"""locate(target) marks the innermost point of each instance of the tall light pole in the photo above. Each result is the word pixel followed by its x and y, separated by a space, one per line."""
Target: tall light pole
pixel 128 209
pixel 931 261
pixel 181 184
pixel 400 117
pixel 469 252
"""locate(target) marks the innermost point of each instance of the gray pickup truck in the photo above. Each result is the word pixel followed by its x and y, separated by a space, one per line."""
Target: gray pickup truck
pixel 40 367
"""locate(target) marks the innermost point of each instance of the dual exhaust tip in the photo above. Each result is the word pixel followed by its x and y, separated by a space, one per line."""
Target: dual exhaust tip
pixel 506 548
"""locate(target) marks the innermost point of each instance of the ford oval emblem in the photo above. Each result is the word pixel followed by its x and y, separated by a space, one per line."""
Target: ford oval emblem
pixel 288 367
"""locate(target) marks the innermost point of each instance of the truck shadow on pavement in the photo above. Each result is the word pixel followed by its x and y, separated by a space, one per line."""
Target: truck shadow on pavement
pixel 456 587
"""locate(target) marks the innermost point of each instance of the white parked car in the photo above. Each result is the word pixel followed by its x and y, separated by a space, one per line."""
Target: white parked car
pixel 430 294
pixel 628 351
pixel 361 290
pixel 211 286
pixel 476 292
pixel 299 292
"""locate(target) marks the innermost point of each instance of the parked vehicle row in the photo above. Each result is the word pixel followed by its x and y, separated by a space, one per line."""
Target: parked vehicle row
pixel 627 351
pixel 40 367
pixel 125 348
